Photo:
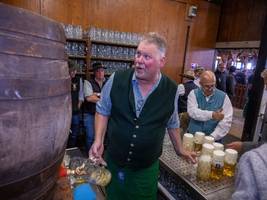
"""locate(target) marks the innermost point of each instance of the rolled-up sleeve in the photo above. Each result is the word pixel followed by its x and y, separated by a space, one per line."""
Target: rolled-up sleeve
pixel 224 125
pixel 104 105
pixel 174 120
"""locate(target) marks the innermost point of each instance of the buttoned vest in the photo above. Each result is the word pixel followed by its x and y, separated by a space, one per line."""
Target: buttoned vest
pixel 136 142
pixel 214 103
pixel 182 102
pixel 90 107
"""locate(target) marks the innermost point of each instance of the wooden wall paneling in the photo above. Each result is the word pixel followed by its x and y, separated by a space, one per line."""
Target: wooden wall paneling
pixel 167 18
pixel 26 4
pixel 121 15
pixel 66 11
pixel 241 20
pixel 256 17
pixel 203 34
pixel 163 16
pixel 57 10
pixel 177 43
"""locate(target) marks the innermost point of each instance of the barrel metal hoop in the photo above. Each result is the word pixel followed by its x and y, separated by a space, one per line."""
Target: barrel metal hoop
pixel 14 189
pixel 15 89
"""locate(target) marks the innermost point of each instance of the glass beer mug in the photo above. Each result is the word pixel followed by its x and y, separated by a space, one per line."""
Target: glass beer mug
pixel 208 139
pixel 188 142
pixel 207 149
pixel 218 146
pixel 198 141
pixel 217 165
pixel 230 162
pixel 204 167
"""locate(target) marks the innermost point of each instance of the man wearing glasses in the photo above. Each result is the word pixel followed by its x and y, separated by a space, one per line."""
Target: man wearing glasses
pixel 210 109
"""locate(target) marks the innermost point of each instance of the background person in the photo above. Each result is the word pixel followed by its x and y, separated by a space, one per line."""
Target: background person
pixel 76 99
pixel 198 71
pixel 184 89
pixel 221 76
pixel 210 109
pixel 92 91
pixel 135 108
pixel 231 83
pixel 251 178
pixel 241 77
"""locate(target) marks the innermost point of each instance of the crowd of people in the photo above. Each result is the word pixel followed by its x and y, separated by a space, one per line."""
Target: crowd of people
pixel 134 108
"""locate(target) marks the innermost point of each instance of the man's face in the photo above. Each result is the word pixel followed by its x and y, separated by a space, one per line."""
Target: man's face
pixel 222 67
pixel 198 73
pixel 73 73
pixel 148 61
pixel 208 85
pixel 100 74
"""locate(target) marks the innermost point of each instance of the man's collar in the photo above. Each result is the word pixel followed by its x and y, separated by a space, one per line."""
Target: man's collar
pixel 209 95
pixel 135 80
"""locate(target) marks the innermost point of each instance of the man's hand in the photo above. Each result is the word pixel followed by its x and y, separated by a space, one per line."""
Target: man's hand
pixel 235 145
pixel 190 157
pixel 95 153
pixel 217 115
pixel 178 147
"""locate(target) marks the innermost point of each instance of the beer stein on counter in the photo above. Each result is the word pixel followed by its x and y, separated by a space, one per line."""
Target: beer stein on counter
pixel 230 162
pixel 207 149
pixel 218 146
pixel 188 142
pixel 198 141
pixel 208 139
pixel 86 170
pixel 204 167
pixel 217 165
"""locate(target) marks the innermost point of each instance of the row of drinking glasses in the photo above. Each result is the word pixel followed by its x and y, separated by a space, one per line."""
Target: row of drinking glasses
pixel 72 31
pixel 75 49
pixel 105 51
pixel 114 66
pixel 114 36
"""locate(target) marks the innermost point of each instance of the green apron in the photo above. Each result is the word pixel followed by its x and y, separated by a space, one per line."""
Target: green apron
pixel 127 184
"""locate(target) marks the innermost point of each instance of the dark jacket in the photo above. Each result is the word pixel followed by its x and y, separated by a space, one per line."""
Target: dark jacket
pixel 221 80
pixel 230 85
pixel 89 107
pixel 182 102
pixel 75 87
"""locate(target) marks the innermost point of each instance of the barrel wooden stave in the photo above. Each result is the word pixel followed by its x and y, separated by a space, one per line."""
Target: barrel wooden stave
pixel 35 103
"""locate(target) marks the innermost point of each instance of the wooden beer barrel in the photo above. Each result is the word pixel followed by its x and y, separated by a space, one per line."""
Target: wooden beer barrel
pixel 35 103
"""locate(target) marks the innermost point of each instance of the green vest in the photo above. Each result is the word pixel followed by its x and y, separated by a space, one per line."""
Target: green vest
pixel 137 142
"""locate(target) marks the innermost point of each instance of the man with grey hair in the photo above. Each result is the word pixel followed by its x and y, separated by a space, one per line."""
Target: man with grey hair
pixel 136 107
pixel 210 109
